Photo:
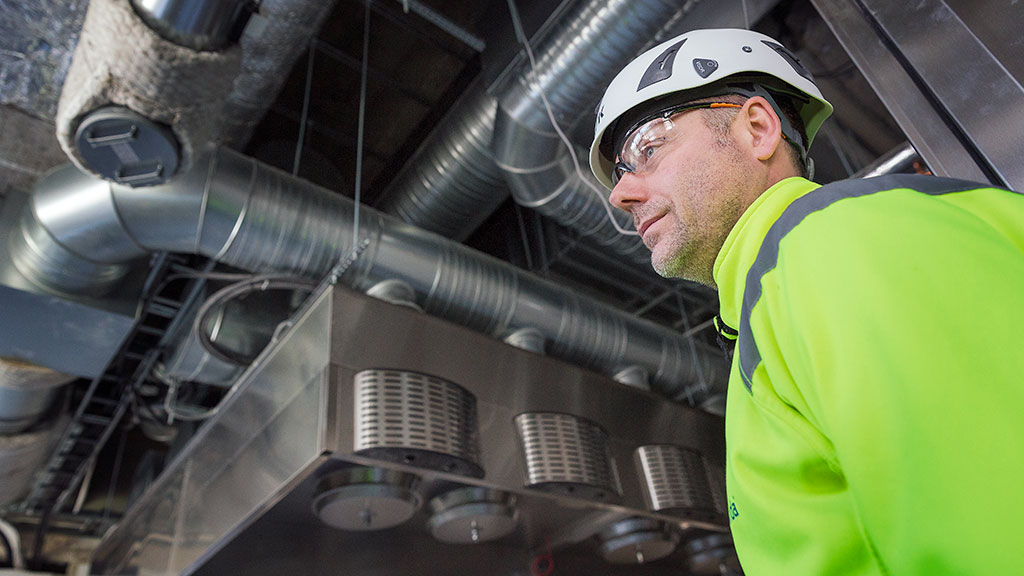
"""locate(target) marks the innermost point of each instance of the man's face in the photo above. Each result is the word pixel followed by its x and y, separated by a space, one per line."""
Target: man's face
pixel 687 198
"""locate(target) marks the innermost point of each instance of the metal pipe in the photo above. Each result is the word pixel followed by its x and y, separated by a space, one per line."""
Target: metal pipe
pixel 572 67
pixel 451 184
pixel 198 24
pixel 248 215
pixel 899 159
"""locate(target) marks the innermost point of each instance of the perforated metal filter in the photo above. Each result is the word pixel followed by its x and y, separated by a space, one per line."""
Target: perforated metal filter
pixel 416 419
pixel 676 479
pixel 565 453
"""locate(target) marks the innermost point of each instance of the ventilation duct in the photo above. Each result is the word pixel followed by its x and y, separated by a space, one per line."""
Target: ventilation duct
pixel 217 93
pixel 79 233
pixel 574 65
pixel 451 185
pixel 572 68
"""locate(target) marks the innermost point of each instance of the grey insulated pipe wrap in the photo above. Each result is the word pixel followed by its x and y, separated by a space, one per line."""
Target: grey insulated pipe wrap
pixel 120 60
pixel 258 218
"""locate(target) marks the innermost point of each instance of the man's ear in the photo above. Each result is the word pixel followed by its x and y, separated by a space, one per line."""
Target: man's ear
pixel 764 129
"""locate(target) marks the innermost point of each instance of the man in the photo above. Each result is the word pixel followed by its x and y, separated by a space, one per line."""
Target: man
pixel 872 423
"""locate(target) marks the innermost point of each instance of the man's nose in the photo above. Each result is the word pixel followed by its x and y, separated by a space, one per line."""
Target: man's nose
pixel 627 193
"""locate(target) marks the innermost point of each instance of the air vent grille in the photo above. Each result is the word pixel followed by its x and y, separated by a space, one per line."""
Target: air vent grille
pixel 566 453
pixel 677 479
pixel 416 419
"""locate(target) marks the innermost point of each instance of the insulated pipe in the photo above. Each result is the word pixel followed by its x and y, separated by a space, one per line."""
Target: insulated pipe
pixel 157 59
pixel 248 215
pixel 198 24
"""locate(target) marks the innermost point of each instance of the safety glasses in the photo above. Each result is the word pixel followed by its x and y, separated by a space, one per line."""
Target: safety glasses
pixel 640 149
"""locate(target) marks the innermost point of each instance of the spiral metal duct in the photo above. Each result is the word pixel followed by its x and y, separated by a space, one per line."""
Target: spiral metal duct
pixel 245 214
pixel 573 67
pixel 452 183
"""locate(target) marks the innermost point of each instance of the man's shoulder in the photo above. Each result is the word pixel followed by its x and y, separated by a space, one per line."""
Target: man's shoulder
pixel 927 186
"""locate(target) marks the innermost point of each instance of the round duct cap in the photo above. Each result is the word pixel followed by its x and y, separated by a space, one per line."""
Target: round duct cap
pixel 127 148
pixel 472 515
pixel 637 541
pixel 712 555
pixel 364 499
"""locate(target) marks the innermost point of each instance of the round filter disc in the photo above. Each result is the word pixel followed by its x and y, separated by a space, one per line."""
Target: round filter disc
pixel 366 506
pixel 473 523
pixel 637 548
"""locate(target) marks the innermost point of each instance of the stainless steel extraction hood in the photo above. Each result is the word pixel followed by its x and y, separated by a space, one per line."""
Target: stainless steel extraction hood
pixel 374 439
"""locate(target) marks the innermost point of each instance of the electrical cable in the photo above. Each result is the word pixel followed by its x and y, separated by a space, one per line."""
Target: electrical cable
pixel 174 410
pixel 258 283
pixel 305 108
pixel 362 124
pixel 12 544
pixel 521 36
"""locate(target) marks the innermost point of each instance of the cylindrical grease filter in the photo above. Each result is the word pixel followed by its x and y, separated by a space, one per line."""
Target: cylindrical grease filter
pixel 567 454
pixel 416 419
pixel 676 480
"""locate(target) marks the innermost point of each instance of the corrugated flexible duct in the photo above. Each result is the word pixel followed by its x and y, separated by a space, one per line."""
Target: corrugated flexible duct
pixel 79 232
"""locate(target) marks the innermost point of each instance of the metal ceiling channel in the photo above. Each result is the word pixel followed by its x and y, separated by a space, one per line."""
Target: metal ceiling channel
pixel 931 87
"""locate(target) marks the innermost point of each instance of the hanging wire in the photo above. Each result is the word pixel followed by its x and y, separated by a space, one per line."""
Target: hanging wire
pixel 746 17
pixel 305 108
pixel 693 348
pixel 118 459
pixel 521 36
pixel 362 122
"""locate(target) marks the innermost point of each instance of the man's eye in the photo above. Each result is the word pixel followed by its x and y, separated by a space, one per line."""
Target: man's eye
pixel 649 151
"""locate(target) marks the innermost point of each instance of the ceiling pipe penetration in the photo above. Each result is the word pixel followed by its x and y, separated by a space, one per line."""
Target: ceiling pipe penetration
pixel 238 211
pixel 178 64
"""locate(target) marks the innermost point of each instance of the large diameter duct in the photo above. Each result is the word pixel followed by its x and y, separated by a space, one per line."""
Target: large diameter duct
pixel 452 184
pixel 121 61
pixel 572 69
pixel 257 218
pixel 275 37
pixel 26 393
pixel 144 56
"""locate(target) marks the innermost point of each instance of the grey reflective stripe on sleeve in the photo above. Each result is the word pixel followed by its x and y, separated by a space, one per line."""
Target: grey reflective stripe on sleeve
pixel 819 199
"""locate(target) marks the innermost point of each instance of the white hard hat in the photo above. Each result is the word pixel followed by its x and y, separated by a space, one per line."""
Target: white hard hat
pixel 699 64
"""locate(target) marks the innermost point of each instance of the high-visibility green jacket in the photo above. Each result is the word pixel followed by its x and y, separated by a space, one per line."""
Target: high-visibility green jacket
pixel 875 415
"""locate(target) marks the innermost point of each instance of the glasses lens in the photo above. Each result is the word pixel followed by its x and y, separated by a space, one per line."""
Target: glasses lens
pixel 641 145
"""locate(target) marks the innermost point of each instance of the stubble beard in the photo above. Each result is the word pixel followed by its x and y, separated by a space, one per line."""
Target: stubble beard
pixel 690 248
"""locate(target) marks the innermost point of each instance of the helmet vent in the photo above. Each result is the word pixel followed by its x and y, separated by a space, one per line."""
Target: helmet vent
pixel 661 68
pixel 789 57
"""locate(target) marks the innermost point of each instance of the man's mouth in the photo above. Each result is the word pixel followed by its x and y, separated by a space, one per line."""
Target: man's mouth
pixel 645 224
